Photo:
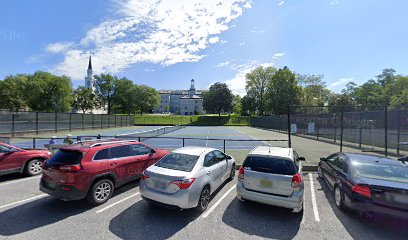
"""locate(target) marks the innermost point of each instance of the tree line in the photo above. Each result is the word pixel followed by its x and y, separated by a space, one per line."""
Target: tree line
pixel 43 91
pixel 270 91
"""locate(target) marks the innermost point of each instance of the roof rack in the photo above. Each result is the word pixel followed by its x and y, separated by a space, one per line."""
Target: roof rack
pixel 105 143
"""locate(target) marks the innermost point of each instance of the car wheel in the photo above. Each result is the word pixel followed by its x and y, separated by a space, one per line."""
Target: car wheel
pixel 34 167
pixel 319 171
pixel 100 192
pixel 204 199
pixel 339 197
pixel 232 174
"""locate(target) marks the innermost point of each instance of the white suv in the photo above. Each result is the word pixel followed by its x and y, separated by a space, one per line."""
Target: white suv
pixel 273 176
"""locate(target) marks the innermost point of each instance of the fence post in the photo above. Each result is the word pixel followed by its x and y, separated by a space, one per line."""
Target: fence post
pixel 34 143
pixel 93 121
pixel 139 139
pixel 108 120
pixel 289 137
pixel 82 121
pixel 183 142
pixel 36 122
pixel 335 131
pixel 317 137
pixel 13 124
pixel 56 122
pixel 70 122
pixel 398 135
pixel 101 121
pixel 361 135
pixel 386 130
pixel 224 145
pixel 341 127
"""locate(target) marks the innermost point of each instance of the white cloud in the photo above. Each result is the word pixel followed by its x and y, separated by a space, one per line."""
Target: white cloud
pixel 242 43
pixel 278 56
pixel 165 32
pixel 149 70
pixel 238 82
pixel 58 47
pixel 258 31
pixel 281 3
pixel 341 81
pixel 334 2
pixel 223 64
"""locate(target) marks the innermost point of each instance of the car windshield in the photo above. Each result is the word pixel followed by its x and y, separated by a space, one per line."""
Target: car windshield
pixel 65 157
pixel 381 171
pixel 178 161
pixel 270 165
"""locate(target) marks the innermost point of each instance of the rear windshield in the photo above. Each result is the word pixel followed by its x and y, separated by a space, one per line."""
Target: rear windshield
pixel 381 171
pixel 65 157
pixel 177 161
pixel 270 165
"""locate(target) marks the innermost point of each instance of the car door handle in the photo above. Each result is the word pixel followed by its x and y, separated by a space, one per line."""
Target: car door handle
pixel 208 172
pixel 113 163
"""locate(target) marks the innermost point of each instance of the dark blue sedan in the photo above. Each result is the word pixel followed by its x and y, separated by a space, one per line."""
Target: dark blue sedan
pixel 367 183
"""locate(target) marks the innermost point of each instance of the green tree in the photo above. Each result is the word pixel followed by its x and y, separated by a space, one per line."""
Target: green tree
pixel 84 99
pixel 369 93
pixel 124 99
pixel 314 92
pixel 218 99
pixel 47 92
pixel 147 98
pixel 248 105
pixel 236 104
pixel 341 102
pixel 105 89
pixel 283 91
pixel 12 92
pixel 256 83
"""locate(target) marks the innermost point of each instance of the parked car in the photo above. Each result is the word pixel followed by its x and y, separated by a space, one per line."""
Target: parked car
pixel 366 183
pixel 14 159
pixel 92 170
pixel 273 176
pixel 187 177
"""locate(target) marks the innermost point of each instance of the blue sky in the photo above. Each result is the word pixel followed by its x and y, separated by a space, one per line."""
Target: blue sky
pixel 165 43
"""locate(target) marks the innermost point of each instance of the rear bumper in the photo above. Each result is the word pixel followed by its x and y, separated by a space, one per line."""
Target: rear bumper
pixel 71 192
pixel 369 207
pixel 294 202
pixel 181 199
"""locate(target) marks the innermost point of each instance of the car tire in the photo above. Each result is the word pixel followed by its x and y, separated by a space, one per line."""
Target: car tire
pixel 339 197
pixel 319 172
pixel 33 167
pixel 204 199
pixel 232 173
pixel 100 192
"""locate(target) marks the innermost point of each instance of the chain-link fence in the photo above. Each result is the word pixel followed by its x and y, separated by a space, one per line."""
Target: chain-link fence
pixel 34 122
pixel 377 129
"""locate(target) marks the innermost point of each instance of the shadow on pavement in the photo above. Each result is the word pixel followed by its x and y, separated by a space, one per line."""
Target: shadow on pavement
pixel 143 219
pixel 360 227
pixel 12 176
pixel 262 220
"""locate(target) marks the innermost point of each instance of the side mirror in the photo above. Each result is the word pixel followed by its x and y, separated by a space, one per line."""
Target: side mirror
pixel 11 151
pixel 302 159
pixel 152 151
pixel 228 157
pixel 323 159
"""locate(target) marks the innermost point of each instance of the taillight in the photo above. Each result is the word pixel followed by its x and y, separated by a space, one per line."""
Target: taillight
pixel 296 180
pixel 70 168
pixel 362 190
pixel 183 184
pixel 241 173
pixel 144 175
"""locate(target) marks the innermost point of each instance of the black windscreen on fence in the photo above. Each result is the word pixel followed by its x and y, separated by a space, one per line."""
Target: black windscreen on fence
pixel 26 122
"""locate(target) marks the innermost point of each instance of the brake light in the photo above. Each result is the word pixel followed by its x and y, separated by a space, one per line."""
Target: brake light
pixel 70 168
pixel 362 190
pixel 183 184
pixel 144 175
pixel 241 173
pixel 296 180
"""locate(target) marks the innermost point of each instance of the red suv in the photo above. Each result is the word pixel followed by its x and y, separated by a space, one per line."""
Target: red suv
pixel 93 169
pixel 14 159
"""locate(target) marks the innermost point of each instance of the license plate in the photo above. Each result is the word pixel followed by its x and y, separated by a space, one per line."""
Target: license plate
pixel 159 185
pixel 265 183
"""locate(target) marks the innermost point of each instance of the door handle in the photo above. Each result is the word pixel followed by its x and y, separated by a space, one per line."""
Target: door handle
pixel 208 172
pixel 113 163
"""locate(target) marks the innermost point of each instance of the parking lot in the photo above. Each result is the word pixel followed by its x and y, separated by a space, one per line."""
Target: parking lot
pixel 27 213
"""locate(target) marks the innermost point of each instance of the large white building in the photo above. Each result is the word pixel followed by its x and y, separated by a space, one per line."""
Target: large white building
pixel 183 102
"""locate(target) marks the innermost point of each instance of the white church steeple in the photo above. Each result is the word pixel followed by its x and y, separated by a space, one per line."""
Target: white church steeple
pixel 89 81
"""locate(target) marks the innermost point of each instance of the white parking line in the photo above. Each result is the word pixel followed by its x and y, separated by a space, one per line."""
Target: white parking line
pixel 116 203
pixel 24 200
pixel 19 180
pixel 252 137
pixel 315 211
pixel 218 202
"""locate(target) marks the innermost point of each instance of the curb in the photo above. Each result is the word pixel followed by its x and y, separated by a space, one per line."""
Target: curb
pixel 308 168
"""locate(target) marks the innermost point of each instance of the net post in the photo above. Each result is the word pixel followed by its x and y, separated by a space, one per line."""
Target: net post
pixel 386 130
pixel 289 133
